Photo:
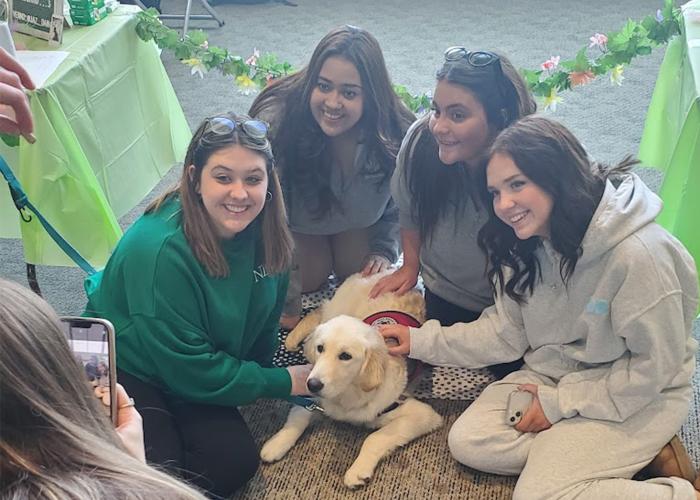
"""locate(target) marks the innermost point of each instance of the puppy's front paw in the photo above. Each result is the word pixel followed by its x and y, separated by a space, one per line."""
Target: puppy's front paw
pixel 276 447
pixel 291 345
pixel 357 475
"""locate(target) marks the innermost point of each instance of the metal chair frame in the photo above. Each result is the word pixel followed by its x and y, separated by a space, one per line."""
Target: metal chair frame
pixel 187 16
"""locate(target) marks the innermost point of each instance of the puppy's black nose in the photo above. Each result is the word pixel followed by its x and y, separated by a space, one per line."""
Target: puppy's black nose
pixel 314 385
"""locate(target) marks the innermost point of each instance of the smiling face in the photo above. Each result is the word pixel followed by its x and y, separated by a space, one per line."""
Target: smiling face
pixel 518 201
pixel 458 122
pixel 233 188
pixel 336 101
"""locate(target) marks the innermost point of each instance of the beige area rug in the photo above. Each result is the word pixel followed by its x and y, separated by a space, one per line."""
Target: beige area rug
pixel 314 468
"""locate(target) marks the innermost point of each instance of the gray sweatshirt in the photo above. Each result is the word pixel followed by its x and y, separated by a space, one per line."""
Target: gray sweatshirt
pixel 614 339
pixel 365 202
pixel 452 265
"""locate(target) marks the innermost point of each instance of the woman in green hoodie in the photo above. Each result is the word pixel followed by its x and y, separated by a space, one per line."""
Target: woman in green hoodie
pixel 195 289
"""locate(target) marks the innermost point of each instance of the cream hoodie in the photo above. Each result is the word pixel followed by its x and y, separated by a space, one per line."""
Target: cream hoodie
pixel 614 338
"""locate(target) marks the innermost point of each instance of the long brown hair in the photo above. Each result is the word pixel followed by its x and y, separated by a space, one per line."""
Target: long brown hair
pixel 551 157
pixel 301 147
pixel 56 441
pixel 199 230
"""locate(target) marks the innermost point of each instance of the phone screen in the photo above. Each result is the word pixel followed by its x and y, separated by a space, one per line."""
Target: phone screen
pixel 92 343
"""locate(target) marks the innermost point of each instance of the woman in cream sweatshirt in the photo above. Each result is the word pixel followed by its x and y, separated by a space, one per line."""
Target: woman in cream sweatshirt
pixel 599 300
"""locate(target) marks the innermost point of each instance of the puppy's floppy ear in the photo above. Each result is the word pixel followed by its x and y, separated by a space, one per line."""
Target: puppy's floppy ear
pixel 305 327
pixel 310 348
pixel 372 371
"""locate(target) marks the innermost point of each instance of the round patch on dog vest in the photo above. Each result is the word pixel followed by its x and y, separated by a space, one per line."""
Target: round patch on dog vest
pixel 392 318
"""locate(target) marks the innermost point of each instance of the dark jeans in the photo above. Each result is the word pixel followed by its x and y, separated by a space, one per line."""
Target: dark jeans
pixel 207 445
pixel 448 314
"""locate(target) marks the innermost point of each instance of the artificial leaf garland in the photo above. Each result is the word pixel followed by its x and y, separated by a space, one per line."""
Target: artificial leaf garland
pixel 613 51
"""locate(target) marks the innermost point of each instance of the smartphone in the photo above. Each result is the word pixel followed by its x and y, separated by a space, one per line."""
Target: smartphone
pixel 92 342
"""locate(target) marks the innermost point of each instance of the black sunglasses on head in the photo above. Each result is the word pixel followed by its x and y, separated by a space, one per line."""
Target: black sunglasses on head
pixel 478 59
pixel 221 125
pixel 481 59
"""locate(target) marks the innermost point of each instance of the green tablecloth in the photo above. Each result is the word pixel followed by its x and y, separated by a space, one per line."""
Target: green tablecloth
pixel 671 138
pixel 108 127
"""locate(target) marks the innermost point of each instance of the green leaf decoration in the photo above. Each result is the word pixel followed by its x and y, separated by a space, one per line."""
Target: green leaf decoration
pixel 197 37
pixel 632 40
pixel 581 62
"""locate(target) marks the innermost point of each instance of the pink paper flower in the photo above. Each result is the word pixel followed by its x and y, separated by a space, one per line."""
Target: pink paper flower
pixel 598 40
pixel 253 59
pixel 580 77
pixel 551 63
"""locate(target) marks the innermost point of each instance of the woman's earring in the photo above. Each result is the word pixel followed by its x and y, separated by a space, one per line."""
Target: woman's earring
pixel 268 196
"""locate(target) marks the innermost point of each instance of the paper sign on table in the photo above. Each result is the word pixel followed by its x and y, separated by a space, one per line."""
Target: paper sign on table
pixel 41 64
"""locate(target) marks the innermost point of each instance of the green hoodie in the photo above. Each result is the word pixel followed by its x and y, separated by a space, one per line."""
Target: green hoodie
pixel 203 339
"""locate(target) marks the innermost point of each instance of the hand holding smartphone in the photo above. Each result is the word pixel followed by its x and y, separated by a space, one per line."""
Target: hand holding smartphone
pixel 92 343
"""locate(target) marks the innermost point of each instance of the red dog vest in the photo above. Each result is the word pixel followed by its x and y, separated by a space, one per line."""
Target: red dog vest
pixel 392 318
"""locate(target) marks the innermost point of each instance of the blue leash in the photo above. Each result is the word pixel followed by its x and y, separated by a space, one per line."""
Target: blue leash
pixel 22 202
pixel 307 403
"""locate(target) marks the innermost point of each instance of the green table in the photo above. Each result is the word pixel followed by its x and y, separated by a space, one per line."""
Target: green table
pixel 108 127
pixel 671 137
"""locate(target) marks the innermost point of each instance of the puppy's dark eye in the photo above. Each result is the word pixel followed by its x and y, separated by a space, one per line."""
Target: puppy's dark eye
pixel 344 356
pixel 319 348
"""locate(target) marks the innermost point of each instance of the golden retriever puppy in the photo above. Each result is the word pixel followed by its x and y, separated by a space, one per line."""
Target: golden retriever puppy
pixel 354 379
pixel 352 298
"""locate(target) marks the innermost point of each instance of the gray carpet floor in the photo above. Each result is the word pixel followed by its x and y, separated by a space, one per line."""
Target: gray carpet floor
pixel 608 119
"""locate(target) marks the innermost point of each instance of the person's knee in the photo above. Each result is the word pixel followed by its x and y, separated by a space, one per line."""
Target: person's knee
pixel 246 463
pixel 314 258
pixel 350 252
pixel 224 465
pixel 465 447
pixel 348 265
pixel 314 279
pixel 483 449
pixel 225 472
pixel 242 467
pixel 315 274
pixel 532 486
pixel 526 488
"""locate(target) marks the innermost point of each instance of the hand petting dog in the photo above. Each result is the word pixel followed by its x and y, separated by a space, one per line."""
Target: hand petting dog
pixel 401 335
pixel 375 264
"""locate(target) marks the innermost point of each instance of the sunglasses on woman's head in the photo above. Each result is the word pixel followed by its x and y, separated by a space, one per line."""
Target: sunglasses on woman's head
pixel 481 59
pixel 221 125
pixel 478 59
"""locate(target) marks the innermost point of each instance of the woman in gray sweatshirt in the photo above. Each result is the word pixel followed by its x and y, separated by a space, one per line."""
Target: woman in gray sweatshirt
pixel 599 300
pixel 336 129
pixel 477 95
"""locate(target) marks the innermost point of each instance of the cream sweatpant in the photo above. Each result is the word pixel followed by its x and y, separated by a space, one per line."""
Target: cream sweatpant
pixel 577 457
